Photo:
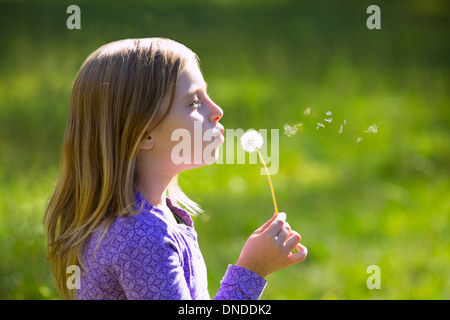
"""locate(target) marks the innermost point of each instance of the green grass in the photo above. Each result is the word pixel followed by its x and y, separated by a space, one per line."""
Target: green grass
pixel 382 201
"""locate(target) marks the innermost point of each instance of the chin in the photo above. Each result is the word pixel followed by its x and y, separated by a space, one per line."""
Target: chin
pixel 212 158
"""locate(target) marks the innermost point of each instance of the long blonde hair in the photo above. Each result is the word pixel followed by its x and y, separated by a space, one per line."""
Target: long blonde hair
pixel 115 98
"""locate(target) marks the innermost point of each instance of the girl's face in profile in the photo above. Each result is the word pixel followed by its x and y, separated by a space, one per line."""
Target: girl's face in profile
pixel 192 125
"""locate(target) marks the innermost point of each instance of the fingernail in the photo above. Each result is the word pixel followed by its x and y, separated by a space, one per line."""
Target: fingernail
pixel 282 216
pixel 305 251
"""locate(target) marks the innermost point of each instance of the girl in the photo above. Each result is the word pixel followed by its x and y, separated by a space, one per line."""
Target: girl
pixel 117 210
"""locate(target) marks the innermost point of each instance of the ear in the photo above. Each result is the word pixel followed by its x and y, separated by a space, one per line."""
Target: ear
pixel 148 143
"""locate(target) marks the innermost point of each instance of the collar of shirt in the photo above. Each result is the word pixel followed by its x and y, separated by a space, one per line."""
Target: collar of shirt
pixel 180 213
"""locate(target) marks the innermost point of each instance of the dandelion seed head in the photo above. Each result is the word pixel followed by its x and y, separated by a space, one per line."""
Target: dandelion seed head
pixel 358 139
pixel 329 113
pixel 251 140
pixel 307 111
pixel 329 120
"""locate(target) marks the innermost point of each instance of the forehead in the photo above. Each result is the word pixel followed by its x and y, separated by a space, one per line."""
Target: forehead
pixel 190 80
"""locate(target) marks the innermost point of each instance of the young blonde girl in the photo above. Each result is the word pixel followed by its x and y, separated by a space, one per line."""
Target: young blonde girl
pixel 117 210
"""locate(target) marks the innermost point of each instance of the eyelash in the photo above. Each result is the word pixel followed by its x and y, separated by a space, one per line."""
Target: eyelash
pixel 195 103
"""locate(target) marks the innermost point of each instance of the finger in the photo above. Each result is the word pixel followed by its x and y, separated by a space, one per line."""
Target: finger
pixel 286 228
pixel 283 235
pixel 284 232
pixel 277 224
pixel 275 227
pixel 267 224
pixel 293 232
pixel 292 241
pixel 298 256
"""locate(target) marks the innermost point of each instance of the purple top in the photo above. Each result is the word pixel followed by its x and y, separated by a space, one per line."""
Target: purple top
pixel 147 257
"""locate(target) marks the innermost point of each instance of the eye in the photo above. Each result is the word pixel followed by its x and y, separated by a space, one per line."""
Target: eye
pixel 195 103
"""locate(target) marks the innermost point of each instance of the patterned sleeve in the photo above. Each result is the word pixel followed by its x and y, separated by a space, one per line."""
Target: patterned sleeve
pixel 240 284
pixel 148 267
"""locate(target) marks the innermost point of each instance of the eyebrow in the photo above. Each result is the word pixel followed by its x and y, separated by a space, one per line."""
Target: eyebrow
pixel 195 90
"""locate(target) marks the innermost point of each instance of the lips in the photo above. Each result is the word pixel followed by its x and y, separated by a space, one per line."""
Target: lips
pixel 217 131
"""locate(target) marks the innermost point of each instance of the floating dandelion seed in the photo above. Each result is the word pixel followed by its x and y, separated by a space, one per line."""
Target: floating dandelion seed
pixel 252 141
pixel 341 128
pixel 372 129
pixel 289 131
pixel 292 130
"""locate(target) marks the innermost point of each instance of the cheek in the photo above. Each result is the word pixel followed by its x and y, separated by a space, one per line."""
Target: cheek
pixel 195 123
pixel 190 124
pixel 197 115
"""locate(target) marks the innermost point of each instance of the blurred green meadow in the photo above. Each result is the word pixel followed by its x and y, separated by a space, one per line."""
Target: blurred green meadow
pixel 382 201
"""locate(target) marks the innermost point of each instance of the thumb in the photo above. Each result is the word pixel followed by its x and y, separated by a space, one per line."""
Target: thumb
pixel 266 225
pixel 281 216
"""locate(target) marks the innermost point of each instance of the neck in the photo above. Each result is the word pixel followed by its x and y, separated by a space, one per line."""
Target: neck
pixel 154 176
pixel 153 188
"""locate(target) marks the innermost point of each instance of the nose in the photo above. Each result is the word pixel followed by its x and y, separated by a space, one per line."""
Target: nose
pixel 216 112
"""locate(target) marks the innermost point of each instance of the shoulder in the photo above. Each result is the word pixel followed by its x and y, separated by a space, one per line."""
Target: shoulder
pixel 140 230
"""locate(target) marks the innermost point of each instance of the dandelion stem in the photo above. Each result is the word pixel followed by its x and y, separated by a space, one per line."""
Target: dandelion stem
pixel 270 182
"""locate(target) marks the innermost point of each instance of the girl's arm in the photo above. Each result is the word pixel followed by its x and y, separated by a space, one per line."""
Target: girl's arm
pixel 267 250
pixel 240 284
pixel 149 266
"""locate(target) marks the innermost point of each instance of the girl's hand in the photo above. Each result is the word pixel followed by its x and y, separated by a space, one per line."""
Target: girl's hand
pixel 269 248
